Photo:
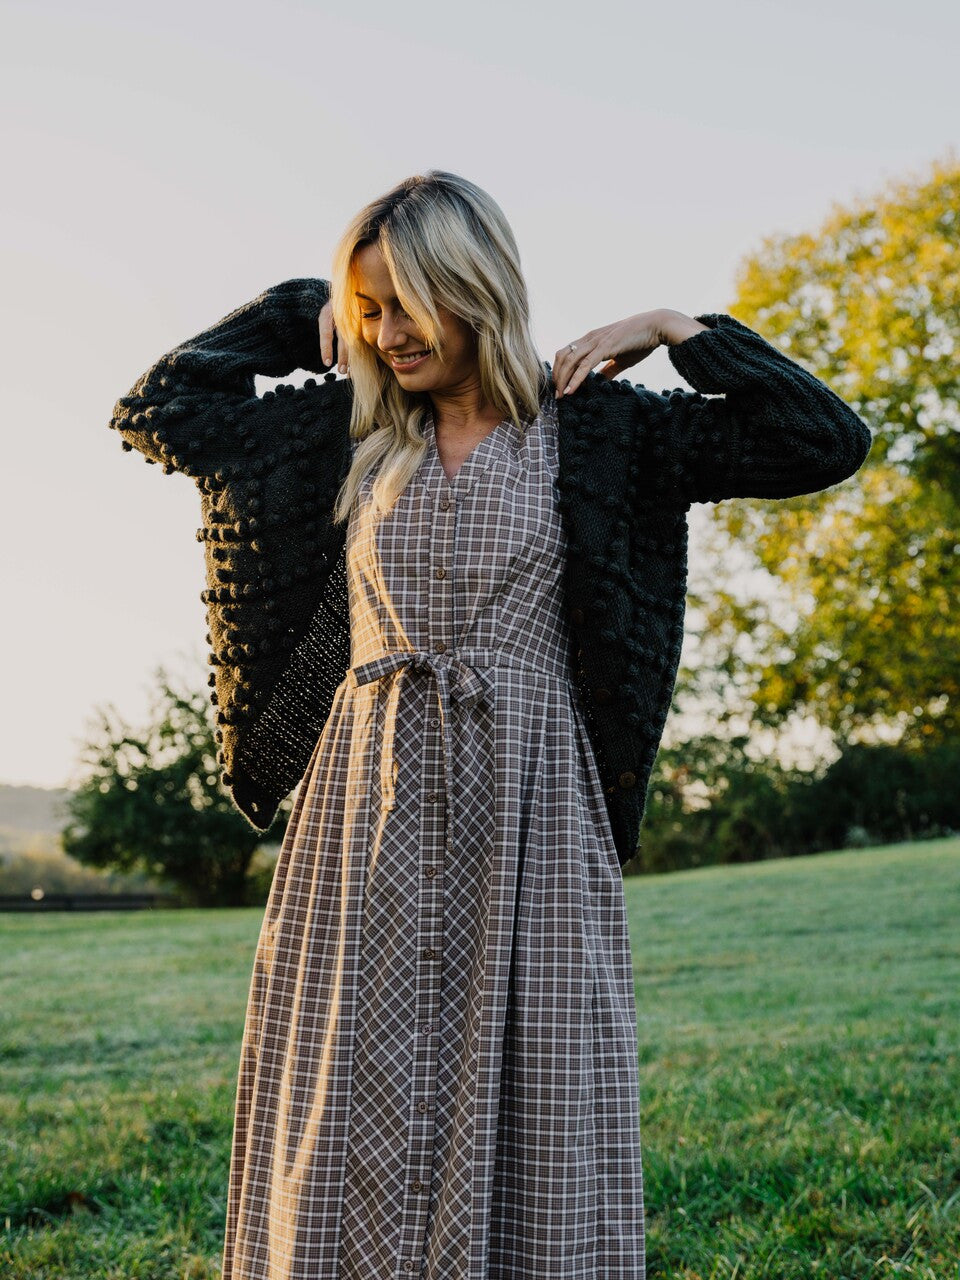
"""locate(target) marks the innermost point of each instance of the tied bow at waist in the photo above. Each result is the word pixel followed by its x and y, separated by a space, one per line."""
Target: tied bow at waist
pixel 456 681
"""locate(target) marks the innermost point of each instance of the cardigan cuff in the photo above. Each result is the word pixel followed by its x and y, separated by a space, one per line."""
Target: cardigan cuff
pixel 257 805
pixel 295 310
pixel 724 356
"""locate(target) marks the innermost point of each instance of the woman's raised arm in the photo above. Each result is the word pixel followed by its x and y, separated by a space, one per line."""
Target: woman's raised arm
pixel 769 429
pixel 196 409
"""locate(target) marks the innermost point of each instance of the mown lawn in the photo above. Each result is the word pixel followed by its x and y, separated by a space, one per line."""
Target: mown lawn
pixel 799 1028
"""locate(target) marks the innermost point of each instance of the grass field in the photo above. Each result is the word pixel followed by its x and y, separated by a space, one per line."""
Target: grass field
pixel 800 1076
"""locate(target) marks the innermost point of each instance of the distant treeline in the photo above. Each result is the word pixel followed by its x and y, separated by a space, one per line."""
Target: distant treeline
pixel 85 901
pixel 710 803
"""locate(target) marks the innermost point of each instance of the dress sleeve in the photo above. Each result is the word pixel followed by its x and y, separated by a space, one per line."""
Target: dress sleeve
pixel 757 425
pixel 196 408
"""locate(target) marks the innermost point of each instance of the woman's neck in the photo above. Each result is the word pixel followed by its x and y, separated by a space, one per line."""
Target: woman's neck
pixel 461 411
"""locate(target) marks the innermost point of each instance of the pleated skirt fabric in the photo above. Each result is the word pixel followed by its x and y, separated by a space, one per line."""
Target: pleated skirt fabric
pixel 438 1074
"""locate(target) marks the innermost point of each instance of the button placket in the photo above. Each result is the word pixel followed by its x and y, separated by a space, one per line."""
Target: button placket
pixel 433 845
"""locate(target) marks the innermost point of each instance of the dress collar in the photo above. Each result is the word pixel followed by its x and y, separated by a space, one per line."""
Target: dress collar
pixel 504 439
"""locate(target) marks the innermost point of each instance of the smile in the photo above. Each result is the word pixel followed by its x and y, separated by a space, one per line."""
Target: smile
pixel 407 362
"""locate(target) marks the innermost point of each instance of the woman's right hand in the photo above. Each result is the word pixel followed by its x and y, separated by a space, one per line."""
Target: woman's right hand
pixel 328 336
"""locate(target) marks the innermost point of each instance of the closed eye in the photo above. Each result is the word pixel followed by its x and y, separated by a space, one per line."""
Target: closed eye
pixel 372 315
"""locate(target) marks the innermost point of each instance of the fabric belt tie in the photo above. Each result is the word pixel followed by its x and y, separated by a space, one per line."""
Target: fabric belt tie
pixel 455 682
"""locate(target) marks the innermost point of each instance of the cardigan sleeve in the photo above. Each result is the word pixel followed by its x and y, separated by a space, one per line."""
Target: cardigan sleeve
pixel 196 408
pixel 757 425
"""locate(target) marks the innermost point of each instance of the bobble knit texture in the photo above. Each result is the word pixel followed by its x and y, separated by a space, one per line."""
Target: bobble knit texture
pixel 631 462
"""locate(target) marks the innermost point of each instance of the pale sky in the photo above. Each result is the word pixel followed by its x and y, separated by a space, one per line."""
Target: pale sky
pixel 166 162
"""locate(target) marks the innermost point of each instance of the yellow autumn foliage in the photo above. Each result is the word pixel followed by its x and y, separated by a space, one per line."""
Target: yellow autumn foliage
pixel 861 626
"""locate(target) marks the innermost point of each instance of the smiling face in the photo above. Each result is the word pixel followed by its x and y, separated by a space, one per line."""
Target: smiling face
pixel 388 329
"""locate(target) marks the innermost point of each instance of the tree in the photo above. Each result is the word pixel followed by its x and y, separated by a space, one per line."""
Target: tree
pixel 856 620
pixel 153 801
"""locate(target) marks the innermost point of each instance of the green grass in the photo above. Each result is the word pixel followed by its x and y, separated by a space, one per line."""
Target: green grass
pixel 799 1026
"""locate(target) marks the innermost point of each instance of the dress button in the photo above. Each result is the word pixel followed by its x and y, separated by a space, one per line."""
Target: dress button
pixel 426 1028
pixel 601 695
pixel 441 572
pixel 432 797
pixel 576 617
pixel 421 1107
pixel 428 953
pixel 408 1265
pixel 416 1185
pixel 628 779
pixel 430 872
pixel 434 723
pixel 440 647
pixel 444 504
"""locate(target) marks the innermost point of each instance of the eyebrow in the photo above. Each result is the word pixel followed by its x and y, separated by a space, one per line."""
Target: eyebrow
pixel 367 296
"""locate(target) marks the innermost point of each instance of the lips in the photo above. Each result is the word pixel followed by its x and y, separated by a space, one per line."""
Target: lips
pixel 409 364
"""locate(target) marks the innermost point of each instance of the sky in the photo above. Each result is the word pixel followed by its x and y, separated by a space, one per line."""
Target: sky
pixel 166 162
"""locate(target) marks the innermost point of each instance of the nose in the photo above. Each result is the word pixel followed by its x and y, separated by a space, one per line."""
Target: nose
pixel 391 334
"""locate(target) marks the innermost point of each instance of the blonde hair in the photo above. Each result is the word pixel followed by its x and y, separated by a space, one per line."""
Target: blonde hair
pixel 445 241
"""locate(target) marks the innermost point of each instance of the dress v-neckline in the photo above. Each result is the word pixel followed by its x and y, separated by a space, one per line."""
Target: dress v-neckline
pixel 475 461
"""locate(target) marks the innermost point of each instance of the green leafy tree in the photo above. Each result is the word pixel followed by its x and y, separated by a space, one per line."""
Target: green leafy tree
pixel 152 801
pixel 853 617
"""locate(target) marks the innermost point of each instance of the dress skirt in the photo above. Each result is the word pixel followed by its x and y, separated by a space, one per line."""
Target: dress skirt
pixel 438 1073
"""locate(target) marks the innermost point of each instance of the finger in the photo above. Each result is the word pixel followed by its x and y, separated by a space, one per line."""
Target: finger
pixel 556 372
pixel 577 366
pixel 326 334
pixel 581 360
pixel 332 339
pixel 334 346
pixel 563 365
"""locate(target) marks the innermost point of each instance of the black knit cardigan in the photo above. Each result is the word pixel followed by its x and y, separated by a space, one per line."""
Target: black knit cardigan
pixel 631 461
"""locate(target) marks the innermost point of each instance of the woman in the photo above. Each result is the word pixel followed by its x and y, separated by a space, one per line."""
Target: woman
pixel 439 1063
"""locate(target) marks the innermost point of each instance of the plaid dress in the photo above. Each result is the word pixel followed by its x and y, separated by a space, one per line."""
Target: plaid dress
pixel 438 1073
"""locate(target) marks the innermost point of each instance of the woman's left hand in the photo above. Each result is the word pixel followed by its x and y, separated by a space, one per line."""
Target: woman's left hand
pixel 620 345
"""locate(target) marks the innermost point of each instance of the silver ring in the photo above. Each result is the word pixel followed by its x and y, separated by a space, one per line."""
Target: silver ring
pixel 573 346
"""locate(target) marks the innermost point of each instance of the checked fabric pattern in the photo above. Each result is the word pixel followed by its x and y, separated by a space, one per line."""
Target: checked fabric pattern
pixel 439 1066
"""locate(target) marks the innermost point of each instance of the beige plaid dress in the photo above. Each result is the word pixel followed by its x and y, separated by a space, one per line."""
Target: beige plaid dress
pixel 438 1073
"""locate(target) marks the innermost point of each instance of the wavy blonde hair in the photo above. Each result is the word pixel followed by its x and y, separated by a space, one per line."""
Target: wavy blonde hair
pixel 445 241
